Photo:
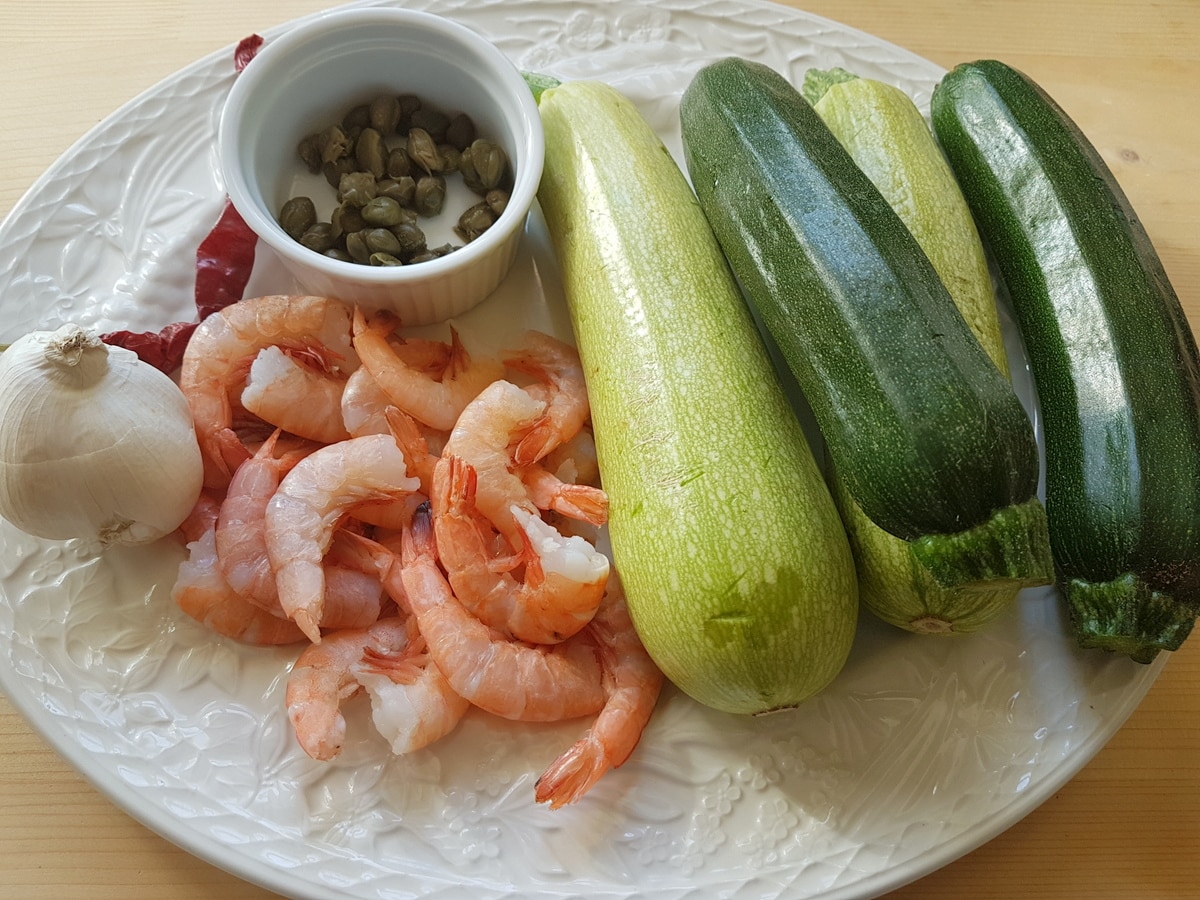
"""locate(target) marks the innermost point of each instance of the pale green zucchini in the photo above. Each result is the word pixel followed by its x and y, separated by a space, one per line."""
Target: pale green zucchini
pixel 886 135
pixel 737 569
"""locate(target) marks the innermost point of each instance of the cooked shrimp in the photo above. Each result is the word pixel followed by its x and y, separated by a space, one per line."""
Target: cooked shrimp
pixel 488 425
pixel 575 460
pixel 435 402
pixel 581 502
pixel 527 682
pixel 364 403
pixel 564 577
pixel 632 683
pixel 414 444
pixel 201 591
pixel 297 393
pixel 556 365
pixel 412 703
pixel 216 363
pixel 308 505
pixel 324 676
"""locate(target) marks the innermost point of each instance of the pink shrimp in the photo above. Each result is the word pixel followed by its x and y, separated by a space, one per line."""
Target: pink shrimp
pixel 564 577
pixel 296 392
pixel 412 702
pixel 217 359
pixel 481 436
pixel 324 676
pixel 202 592
pixel 632 683
pixel 581 502
pixel 519 681
pixel 435 402
pixel 311 500
pixel 557 367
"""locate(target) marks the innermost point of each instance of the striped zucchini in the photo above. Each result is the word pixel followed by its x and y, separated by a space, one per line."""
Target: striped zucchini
pixel 927 434
pixel 736 567
pixel 887 137
pixel 1113 357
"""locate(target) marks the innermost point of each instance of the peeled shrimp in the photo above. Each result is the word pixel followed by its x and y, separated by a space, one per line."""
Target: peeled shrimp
pixel 556 366
pixel 632 683
pixel 514 680
pixel 202 592
pixel 435 402
pixel 324 676
pixel 218 355
pixel 581 502
pixel 412 703
pixel 489 423
pixel 297 393
pixel 308 505
pixel 564 577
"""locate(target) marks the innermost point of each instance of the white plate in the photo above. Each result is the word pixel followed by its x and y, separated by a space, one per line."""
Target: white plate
pixel 921 750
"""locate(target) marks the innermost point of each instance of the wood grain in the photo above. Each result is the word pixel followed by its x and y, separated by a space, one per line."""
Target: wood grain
pixel 1128 825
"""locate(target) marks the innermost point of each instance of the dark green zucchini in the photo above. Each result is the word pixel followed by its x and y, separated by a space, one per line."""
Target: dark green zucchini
pixel 927 434
pixel 1113 358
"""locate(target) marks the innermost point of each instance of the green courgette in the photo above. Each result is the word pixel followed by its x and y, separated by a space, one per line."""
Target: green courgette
pixel 888 138
pixel 1112 355
pixel 927 434
pixel 735 564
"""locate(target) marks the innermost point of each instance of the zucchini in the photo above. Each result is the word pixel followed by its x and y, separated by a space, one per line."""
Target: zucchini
pixel 927 434
pixel 1113 358
pixel 736 567
pixel 887 137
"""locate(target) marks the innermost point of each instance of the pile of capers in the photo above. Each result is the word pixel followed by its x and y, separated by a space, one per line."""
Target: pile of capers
pixel 389 160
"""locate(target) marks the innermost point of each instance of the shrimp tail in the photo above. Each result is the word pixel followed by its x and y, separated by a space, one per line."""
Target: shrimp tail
pixel 538 440
pixel 573 774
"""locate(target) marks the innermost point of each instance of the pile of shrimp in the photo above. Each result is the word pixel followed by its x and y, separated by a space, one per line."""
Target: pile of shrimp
pixel 422 520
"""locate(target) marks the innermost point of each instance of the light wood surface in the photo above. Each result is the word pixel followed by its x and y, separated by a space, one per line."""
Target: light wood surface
pixel 1128 826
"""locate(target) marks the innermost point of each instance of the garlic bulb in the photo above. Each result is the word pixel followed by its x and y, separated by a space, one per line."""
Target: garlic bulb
pixel 94 443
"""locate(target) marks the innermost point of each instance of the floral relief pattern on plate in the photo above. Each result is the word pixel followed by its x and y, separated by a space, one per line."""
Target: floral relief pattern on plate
pixel 919 751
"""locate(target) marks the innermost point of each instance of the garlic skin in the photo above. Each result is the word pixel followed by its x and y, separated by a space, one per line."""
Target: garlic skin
pixel 94 443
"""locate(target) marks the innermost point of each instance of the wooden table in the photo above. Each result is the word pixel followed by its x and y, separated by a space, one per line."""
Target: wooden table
pixel 1128 826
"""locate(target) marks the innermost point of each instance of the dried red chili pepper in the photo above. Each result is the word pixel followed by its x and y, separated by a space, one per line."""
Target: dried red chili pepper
pixel 224 261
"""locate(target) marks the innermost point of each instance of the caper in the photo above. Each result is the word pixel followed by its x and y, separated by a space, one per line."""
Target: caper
pixel 382 211
pixel 409 103
pixel 400 189
pixel 370 153
pixel 384 259
pixel 450 156
pixel 460 132
pixel 319 237
pixel 356 246
pixel 297 216
pixel 398 163
pixel 309 149
pixel 430 195
pixel 358 118
pixel 424 256
pixel 357 188
pixel 497 200
pixel 384 113
pixel 474 222
pixel 339 254
pixel 346 219
pixel 334 144
pixel 466 168
pixel 432 121
pixel 490 162
pixel 411 238
pixel 380 240
pixel 336 169
pixel 423 152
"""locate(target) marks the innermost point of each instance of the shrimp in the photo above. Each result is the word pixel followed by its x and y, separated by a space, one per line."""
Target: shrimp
pixel 557 367
pixel 415 447
pixel 308 505
pixel 216 363
pixel 581 502
pixel 518 681
pixel 481 437
pixel 363 400
pixel 292 392
pixel 564 577
pixel 201 591
pixel 435 402
pixel 412 703
pixel 632 683
pixel 575 460
pixel 323 677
